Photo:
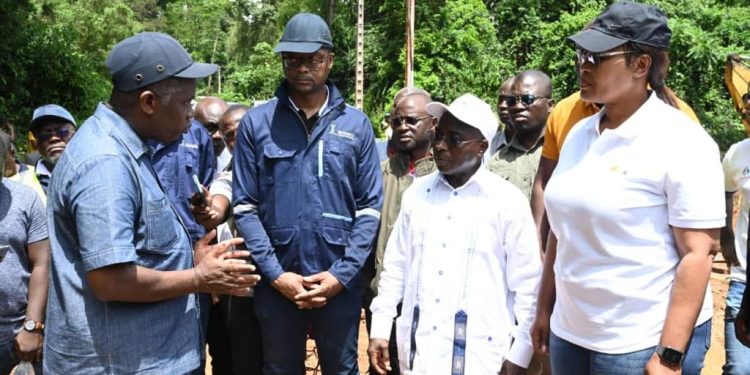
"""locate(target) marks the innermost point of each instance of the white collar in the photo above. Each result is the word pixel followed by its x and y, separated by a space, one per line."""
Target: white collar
pixel 41 169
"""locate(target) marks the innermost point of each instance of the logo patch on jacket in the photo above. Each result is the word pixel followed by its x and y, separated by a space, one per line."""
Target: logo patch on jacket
pixel 341 133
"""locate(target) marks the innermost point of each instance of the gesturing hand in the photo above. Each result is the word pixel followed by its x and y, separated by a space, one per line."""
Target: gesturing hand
pixel 320 287
pixel 219 271
pixel 379 357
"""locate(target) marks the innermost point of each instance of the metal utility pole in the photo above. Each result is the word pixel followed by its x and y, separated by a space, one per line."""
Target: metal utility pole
pixel 359 93
pixel 409 68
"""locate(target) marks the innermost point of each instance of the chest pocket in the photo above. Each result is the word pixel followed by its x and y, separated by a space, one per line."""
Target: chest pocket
pixel 188 167
pixel 333 160
pixel 162 226
pixel 278 163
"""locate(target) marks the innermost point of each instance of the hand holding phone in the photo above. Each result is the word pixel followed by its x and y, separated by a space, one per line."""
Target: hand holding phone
pixel 199 191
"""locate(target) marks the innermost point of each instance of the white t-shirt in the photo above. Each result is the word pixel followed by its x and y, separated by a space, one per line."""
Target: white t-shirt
pixel 611 202
pixel 737 177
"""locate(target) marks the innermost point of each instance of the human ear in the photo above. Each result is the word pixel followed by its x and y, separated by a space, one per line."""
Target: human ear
pixel 148 102
pixel 641 66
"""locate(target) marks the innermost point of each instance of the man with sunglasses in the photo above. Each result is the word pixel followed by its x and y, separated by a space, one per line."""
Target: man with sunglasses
pixel 307 194
pixel 208 112
pixel 529 105
pixel 413 129
pixel 53 127
pixel 461 232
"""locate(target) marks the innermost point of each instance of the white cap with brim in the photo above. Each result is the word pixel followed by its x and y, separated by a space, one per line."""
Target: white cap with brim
pixel 470 110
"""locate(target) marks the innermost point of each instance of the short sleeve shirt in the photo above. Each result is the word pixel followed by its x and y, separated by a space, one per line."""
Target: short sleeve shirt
pixel 612 202
pixel 22 222
pixel 736 166
pixel 572 109
pixel 106 207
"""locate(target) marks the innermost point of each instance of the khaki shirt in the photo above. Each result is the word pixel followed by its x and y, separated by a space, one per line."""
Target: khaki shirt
pixel 517 165
pixel 396 178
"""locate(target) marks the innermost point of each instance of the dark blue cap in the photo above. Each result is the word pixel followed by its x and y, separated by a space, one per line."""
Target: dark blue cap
pixel 305 33
pixel 622 22
pixel 47 111
pixel 149 57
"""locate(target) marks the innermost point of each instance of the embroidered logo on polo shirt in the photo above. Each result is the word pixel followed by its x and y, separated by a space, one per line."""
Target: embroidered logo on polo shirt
pixel 616 169
pixel 189 145
pixel 746 171
pixel 341 133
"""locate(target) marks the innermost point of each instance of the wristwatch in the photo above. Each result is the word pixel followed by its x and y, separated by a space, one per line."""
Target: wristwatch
pixel 670 356
pixel 32 326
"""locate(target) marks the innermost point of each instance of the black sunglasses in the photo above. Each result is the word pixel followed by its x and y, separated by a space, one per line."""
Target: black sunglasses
pixel 583 56
pixel 525 99
pixel 63 133
pixel 452 140
pixel 395 121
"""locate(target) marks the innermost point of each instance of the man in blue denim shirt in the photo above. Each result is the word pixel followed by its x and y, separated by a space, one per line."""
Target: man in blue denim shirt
pixel 123 279
pixel 307 195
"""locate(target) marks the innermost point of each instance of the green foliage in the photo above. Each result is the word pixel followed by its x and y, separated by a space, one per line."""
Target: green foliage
pixel 56 50
pixel 255 80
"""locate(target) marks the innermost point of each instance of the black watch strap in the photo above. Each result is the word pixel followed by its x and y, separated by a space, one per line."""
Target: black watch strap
pixel 670 356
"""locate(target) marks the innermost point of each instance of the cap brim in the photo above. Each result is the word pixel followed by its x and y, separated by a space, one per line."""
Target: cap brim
pixel 593 40
pixel 198 70
pixel 436 109
pixel 298 47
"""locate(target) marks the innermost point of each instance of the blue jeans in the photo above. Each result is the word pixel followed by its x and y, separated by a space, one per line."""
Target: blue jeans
pixel 738 355
pixel 8 359
pixel 571 359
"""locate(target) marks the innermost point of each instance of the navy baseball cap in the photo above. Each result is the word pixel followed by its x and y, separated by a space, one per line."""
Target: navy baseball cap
pixel 305 33
pixel 150 57
pixel 622 22
pixel 50 111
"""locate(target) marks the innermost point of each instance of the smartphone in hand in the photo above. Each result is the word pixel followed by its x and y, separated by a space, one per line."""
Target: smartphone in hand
pixel 199 191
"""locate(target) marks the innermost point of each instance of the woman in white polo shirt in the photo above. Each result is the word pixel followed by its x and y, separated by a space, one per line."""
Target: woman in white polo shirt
pixel 635 205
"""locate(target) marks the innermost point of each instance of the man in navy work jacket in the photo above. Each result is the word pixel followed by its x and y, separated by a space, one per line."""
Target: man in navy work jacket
pixel 307 195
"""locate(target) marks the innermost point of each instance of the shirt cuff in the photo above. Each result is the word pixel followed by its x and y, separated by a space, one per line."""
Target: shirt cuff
pixel 520 353
pixel 381 327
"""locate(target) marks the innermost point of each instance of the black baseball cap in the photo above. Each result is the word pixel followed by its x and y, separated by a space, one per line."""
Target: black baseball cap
pixel 305 33
pixel 622 22
pixel 150 57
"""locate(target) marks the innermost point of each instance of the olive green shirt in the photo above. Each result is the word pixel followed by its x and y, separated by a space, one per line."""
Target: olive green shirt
pixel 396 178
pixel 516 164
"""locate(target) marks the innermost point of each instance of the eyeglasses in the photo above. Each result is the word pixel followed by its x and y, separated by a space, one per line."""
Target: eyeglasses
pixel 583 56
pixel 396 121
pixel 525 99
pixel 313 64
pixel 62 133
pixel 452 140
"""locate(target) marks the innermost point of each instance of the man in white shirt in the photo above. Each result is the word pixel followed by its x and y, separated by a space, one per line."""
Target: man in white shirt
pixel 462 258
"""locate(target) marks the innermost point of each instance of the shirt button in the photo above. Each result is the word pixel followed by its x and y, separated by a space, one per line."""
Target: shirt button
pixel 428 190
pixel 437 300
pixel 449 217
pixel 440 273
pixel 434 328
pixel 455 193
pixel 444 246
pixel 489 339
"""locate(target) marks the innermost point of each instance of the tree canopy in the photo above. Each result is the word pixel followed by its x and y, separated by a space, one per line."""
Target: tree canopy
pixel 54 50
